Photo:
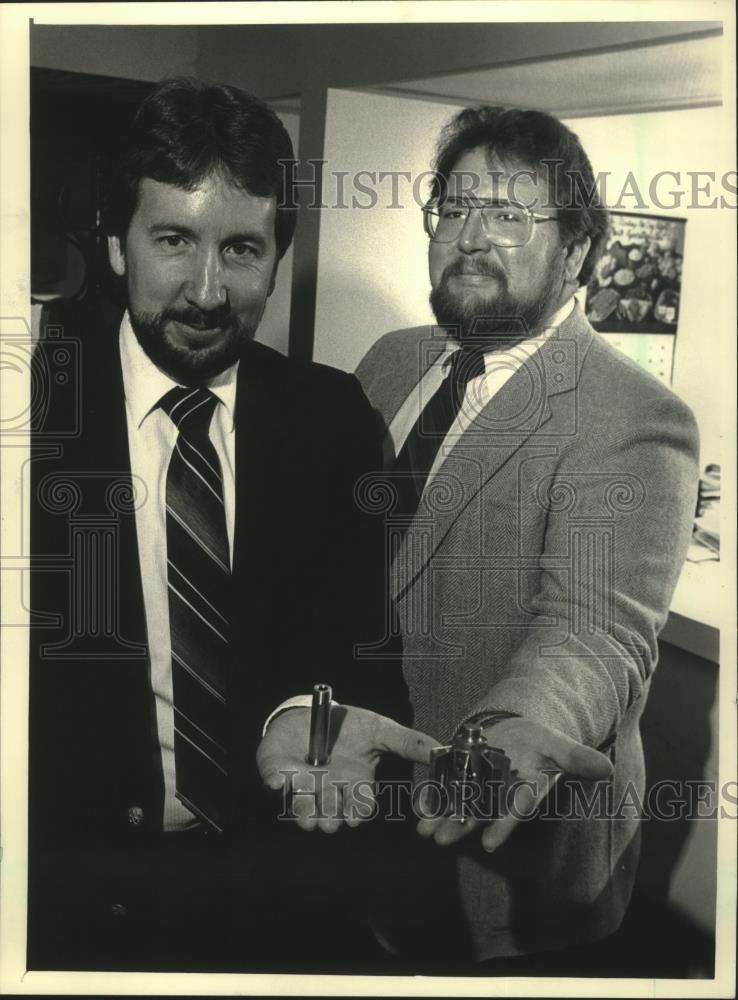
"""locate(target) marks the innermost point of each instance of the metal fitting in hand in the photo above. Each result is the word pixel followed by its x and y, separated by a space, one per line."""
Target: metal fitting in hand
pixel 473 773
pixel 320 724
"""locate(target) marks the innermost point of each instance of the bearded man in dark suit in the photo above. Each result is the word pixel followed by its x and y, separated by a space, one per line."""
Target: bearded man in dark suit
pixel 217 567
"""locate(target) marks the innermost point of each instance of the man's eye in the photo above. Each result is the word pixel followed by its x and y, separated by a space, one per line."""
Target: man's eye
pixel 172 241
pixel 242 250
pixel 506 215
pixel 453 213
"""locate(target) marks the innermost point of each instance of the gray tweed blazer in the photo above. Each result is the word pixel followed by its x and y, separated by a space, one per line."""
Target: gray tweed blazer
pixel 535 578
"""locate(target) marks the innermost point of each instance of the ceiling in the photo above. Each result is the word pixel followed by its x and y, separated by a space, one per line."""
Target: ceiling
pixel 567 68
pixel 657 75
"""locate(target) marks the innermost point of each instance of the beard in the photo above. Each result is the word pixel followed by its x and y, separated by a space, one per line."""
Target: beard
pixel 192 364
pixel 497 321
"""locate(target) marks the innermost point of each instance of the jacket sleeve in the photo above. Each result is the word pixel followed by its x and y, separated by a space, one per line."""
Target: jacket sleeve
pixel 619 514
pixel 373 674
pixel 337 613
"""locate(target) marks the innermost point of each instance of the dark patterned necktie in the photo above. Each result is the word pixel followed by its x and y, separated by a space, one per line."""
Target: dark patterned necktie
pixel 421 446
pixel 198 572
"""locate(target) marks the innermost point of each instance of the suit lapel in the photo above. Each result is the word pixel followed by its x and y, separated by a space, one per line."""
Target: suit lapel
pixel 520 409
pixel 389 383
pixel 261 419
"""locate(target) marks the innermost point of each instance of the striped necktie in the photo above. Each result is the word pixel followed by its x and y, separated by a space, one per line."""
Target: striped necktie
pixel 198 571
pixel 427 434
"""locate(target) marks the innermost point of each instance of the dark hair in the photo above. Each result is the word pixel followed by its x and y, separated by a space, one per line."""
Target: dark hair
pixel 186 129
pixel 532 138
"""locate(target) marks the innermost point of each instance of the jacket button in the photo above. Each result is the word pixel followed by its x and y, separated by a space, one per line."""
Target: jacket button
pixel 119 910
pixel 135 815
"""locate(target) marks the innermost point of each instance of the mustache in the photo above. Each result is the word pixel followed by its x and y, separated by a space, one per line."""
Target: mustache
pixel 200 319
pixel 474 265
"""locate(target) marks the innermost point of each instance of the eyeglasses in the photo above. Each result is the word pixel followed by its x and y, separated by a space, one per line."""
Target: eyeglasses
pixel 505 225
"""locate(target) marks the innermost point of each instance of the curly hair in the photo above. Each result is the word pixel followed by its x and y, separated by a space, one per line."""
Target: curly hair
pixel 532 139
pixel 185 130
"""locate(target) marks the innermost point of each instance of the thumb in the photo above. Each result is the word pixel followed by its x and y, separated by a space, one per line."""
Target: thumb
pixel 579 760
pixel 410 744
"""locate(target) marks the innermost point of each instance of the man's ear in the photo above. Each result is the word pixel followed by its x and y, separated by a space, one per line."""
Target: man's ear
pixel 273 279
pixel 575 258
pixel 116 255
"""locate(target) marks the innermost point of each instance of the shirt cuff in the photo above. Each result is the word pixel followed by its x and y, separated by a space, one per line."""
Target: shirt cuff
pixel 299 701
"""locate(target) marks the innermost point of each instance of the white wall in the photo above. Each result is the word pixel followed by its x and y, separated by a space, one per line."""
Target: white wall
pixel 372 272
pixel 682 141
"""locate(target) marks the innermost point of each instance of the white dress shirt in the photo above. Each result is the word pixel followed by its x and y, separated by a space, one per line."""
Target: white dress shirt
pixel 500 366
pixel 151 439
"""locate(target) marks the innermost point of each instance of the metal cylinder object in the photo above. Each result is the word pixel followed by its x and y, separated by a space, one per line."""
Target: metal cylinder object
pixel 472 773
pixel 320 724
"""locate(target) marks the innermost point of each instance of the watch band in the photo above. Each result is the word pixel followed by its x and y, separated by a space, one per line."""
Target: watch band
pixel 487 718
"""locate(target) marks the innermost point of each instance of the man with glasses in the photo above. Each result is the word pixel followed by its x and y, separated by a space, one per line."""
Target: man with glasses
pixel 544 489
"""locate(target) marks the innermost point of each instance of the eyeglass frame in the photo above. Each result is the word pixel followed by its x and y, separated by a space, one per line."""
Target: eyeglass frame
pixel 533 218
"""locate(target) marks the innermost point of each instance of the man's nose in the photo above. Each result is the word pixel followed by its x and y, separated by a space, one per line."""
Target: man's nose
pixel 473 237
pixel 206 287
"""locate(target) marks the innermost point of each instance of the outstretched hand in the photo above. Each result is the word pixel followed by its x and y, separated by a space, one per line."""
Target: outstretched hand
pixel 342 790
pixel 538 755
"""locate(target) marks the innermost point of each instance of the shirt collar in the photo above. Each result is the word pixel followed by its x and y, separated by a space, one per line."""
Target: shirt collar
pixel 561 314
pixel 145 384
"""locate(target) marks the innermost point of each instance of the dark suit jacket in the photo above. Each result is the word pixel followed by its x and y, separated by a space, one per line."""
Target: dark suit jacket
pixel 535 578
pixel 307 585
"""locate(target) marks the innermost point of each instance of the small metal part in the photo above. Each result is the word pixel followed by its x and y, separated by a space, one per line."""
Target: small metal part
pixel 320 724
pixel 473 774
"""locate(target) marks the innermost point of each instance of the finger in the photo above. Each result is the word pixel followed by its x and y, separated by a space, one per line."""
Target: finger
pixel 410 744
pixel 432 808
pixel 444 829
pixel 305 811
pixel 431 805
pixel 274 779
pixel 303 803
pixel 274 774
pixel 495 834
pixel 427 827
pixel 450 831
pixel 521 802
pixel 359 802
pixel 330 806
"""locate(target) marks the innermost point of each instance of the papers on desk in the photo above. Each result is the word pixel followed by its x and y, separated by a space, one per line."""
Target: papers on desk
pixel 706 533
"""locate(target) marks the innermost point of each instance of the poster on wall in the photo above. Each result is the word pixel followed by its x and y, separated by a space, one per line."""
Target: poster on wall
pixel 633 297
pixel 637 283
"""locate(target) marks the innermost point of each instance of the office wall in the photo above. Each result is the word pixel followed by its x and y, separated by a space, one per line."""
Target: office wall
pixel 274 328
pixel 372 273
pixel 682 141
